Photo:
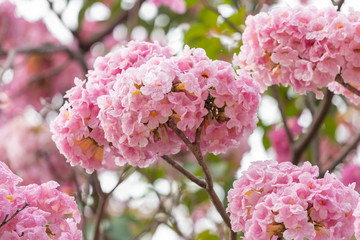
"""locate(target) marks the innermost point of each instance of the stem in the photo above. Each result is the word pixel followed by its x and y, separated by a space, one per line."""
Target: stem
pixel 348 86
pixel 185 172
pixel 309 99
pixel 305 139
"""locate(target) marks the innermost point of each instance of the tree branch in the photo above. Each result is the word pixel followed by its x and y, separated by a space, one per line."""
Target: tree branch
pixel 195 149
pixel 305 139
pixel 348 86
pixel 185 172
pixel 227 20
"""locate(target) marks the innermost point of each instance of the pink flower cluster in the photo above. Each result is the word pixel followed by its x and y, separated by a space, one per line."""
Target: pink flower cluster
pixel 123 109
pixel 302 48
pixel 280 141
pixel 272 200
pixel 44 212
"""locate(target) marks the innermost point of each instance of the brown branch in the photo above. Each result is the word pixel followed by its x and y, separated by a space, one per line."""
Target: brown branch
pixel 6 219
pixel 315 146
pixel 227 20
pixel 195 149
pixel 348 86
pixel 342 155
pixel 275 90
pixel 50 48
pixel 305 139
pixel 185 172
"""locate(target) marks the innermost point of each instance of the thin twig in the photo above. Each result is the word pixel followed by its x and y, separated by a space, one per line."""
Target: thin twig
pixel 227 20
pixel 342 155
pixel 281 106
pixel 348 86
pixel 185 172
pixel 305 139
pixel 6 219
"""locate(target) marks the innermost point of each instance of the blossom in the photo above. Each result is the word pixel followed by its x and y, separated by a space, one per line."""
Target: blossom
pixel 301 48
pixel 43 211
pixel 133 94
pixel 280 199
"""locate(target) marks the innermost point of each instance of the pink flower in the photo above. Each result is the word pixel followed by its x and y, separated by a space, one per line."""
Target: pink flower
pixel 44 211
pixel 264 206
pixel 134 92
pixel 301 48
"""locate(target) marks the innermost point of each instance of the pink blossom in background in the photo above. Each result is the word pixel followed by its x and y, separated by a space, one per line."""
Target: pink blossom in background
pixel 134 91
pixel 272 200
pixel 28 150
pixel 350 173
pixel 302 48
pixel 178 6
pixel 39 76
pixel 50 214
pixel 280 142
pixel 36 75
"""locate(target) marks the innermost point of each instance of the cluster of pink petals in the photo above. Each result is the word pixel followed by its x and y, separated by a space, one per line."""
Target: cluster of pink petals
pixel 28 150
pixel 49 214
pixel 272 200
pixel 280 142
pixel 134 91
pixel 77 131
pixel 178 6
pixel 302 48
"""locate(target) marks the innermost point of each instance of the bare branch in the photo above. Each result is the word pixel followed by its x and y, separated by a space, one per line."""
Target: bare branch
pixel 227 20
pixel 348 86
pixel 185 172
pixel 306 138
